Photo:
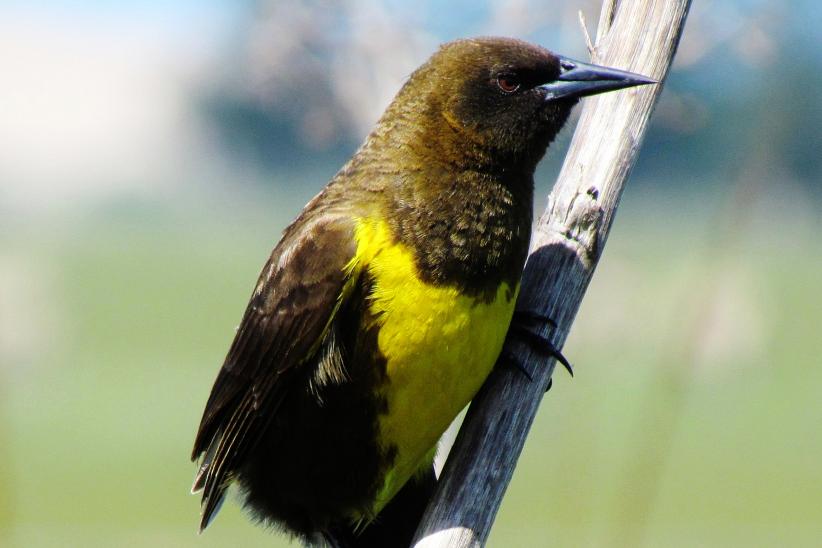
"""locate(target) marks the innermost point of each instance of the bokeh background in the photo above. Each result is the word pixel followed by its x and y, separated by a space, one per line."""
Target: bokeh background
pixel 151 153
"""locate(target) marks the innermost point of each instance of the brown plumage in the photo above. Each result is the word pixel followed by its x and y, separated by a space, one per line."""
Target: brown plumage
pixel 297 415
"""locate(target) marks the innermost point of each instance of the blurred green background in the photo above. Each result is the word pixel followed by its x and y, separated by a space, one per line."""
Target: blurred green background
pixel 151 153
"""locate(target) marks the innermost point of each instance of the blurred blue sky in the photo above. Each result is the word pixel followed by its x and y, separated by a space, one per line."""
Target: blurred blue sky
pixel 102 98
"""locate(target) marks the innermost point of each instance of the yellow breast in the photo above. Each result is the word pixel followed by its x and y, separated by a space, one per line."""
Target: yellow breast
pixel 439 347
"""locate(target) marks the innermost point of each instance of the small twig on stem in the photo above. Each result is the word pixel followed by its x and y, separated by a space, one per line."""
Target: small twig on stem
pixel 588 43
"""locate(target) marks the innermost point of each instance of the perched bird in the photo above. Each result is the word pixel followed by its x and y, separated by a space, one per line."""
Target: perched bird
pixel 385 304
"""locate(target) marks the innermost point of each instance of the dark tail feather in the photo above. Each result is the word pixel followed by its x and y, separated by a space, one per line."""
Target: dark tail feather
pixel 395 526
pixel 212 500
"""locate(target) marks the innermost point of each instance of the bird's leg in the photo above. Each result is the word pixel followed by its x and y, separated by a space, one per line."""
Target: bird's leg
pixel 519 328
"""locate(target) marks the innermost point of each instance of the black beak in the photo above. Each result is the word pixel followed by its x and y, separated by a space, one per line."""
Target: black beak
pixel 578 79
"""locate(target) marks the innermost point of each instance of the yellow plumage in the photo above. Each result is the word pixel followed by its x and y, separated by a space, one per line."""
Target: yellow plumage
pixel 385 305
pixel 439 345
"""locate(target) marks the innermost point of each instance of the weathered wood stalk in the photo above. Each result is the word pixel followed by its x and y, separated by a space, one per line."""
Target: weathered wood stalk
pixel 636 35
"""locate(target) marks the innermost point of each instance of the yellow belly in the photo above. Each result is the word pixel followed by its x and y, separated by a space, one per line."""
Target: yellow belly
pixel 439 347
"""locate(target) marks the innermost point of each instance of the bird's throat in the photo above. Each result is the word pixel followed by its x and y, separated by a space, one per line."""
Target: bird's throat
pixel 469 231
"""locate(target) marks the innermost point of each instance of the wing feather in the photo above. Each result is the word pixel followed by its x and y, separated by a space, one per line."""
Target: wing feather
pixel 300 288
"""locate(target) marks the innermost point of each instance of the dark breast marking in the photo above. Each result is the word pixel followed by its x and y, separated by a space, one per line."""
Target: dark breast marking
pixel 474 240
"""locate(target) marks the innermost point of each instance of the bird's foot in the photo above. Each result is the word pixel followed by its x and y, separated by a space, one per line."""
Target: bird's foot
pixel 511 359
pixel 521 327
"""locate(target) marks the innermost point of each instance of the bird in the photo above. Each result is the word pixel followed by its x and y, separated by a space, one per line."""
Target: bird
pixel 386 303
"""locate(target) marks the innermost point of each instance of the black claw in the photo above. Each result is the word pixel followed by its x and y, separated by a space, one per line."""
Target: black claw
pixel 541 344
pixel 550 384
pixel 512 359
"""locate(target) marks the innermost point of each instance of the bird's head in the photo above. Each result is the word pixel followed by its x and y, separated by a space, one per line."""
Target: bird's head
pixel 498 101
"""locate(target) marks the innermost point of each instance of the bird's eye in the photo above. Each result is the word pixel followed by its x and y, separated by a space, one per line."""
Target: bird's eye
pixel 508 84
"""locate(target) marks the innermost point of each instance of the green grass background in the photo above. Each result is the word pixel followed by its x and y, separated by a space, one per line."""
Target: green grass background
pixel 694 419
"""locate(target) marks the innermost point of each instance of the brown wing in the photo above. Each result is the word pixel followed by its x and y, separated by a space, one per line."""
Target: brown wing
pixel 299 290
